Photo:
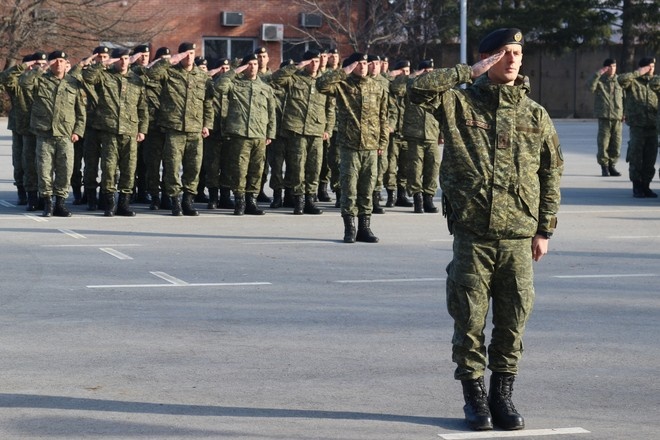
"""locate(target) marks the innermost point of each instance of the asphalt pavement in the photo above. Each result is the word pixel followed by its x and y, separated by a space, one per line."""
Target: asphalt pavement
pixel 225 327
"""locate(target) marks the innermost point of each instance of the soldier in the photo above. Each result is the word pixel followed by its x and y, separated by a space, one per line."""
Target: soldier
pixel 422 132
pixel 396 176
pixel 500 176
pixel 186 104
pixel 139 62
pixel 641 109
pixel 250 125
pixel 608 107
pixel 375 73
pixel 121 118
pixel 330 168
pixel 362 134
pixel 308 119
pixel 203 65
pixel 57 118
pixel 265 75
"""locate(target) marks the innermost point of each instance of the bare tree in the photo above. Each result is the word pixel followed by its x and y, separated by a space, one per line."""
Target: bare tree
pixel 27 25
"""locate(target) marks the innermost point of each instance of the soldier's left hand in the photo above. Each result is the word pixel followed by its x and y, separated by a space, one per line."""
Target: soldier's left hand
pixel 205 132
pixel 539 247
pixel 75 138
pixel 140 137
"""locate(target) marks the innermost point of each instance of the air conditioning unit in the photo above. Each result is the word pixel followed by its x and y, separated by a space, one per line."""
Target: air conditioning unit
pixel 272 32
pixel 311 20
pixel 231 18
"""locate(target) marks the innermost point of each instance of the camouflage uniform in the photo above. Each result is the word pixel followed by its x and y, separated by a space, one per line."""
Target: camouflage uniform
pixel 383 155
pixel 397 155
pixel 500 176
pixel 306 117
pixel 608 108
pixel 120 114
pixel 641 110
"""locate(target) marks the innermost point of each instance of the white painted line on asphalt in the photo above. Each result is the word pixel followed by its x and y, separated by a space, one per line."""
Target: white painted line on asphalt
pixel 633 237
pixel 35 218
pixel 391 280
pixel 509 434
pixel 170 278
pixel 71 234
pixel 93 245
pixel 296 242
pixel 620 275
pixel 6 204
pixel 115 253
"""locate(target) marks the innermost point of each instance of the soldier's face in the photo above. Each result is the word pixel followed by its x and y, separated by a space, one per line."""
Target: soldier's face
pixel 58 66
pixel 189 59
pixel 40 65
pixel 405 70
pixel 361 69
pixel 203 67
pixel 384 66
pixel 313 67
pixel 505 71
pixel 324 59
pixel 612 70
pixel 333 60
pixel 122 64
pixel 224 68
pixel 652 66
pixel 374 68
pixel 263 60
pixel 252 69
pixel 143 60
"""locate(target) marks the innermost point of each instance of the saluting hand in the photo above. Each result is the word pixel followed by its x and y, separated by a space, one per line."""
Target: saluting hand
pixel 484 65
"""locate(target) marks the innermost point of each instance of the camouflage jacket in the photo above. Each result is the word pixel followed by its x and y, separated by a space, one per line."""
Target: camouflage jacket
pixel 121 107
pixel 19 114
pixel 307 112
pixel 361 110
pixel 250 106
pixel 397 103
pixel 186 97
pixel 419 123
pixel 58 105
pixel 502 161
pixel 640 104
pixel 608 99
pixel 655 86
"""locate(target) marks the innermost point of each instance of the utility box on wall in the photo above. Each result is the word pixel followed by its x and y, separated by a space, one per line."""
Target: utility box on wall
pixel 231 18
pixel 311 20
pixel 272 32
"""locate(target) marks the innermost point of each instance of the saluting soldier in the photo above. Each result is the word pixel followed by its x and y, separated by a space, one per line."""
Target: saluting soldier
pixel 375 65
pixel 265 74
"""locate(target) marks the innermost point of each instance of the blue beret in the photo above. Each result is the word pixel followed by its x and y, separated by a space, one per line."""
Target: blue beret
pixel 499 38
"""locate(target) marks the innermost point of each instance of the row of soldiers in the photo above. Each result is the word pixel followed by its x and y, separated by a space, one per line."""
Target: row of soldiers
pixel 134 116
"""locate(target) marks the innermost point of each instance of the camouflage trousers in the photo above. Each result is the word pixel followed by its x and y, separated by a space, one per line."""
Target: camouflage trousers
pixel 247 157
pixel 17 157
pixel 54 165
pixel 276 160
pixel 182 160
pixel 152 149
pixel 609 141
pixel 77 173
pixel 92 157
pixel 357 179
pixel 215 161
pixel 423 166
pixel 30 178
pixel 484 271
pixel 118 158
pixel 382 169
pixel 303 163
pixel 397 164
pixel 333 162
pixel 324 175
pixel 642 153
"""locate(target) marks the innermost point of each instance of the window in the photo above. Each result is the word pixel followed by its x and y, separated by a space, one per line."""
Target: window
pixel 218 48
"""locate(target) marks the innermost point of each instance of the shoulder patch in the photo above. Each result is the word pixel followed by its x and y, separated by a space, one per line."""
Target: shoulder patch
pixel 473 123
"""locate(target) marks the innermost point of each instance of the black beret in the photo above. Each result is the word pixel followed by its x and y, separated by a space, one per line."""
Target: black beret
pixel 27 58
pixel 162 51
pixel 385 58
pixel 120 52
pixel 401 64
pixel 100 49
pixel 260 50
pixel 333 50
pixel 186 46
pixel 223 62
pixel 356 56
pixel 311 54
pixel 371 58
pixel 425 64
pixel 57 54
pixel 286 63
pixel 39 56
pixel 249 57
pixel 142 48
pixel 608 62
pixel 199 61
pixel 499 38
pixel 646 61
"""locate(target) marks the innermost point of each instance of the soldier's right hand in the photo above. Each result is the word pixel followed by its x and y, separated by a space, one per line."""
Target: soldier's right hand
pixel 484 65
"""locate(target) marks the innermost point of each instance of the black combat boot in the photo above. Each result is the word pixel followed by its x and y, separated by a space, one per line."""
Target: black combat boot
pixel 109 205
pixel 176 206
pixel 477 413
pixel 213 199
pixel 187 205
pixel 225 201
pixel 390 198
pixel 613 171
pixel 123 206
pixel 200 197
pixel 428 204
pixel 401 199
pixel 349 228
pixel 155 202
pixel 298 205
pixel 277 199
pixel 310 206
pixel 239 204
pixel 322 193
pixel 604 171
pixel 77 195
pixel 638 189
pixel 48 206
pixel 499 401
pixel 165 201
pixel 60 208
pixel 375 200
pixel 338 201
pixel 287 201
pixel 92 202
pixel 251 206
pixel 419 203
pixel 364 230
pixel 262 197
pixel 22 195
pixel 646 189
pixel 32 201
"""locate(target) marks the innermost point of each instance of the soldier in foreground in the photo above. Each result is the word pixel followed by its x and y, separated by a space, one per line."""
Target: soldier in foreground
pixel 500 178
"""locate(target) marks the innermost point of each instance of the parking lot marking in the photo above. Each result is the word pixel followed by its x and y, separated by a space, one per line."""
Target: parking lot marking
pixel 170 278
pixel 174 282
pixel 613 275
pixel 92 245
pixel 35 218
pixel 115 253
pixel 6 204
pixel 509 434
pixel 391 280
pixel 71 234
